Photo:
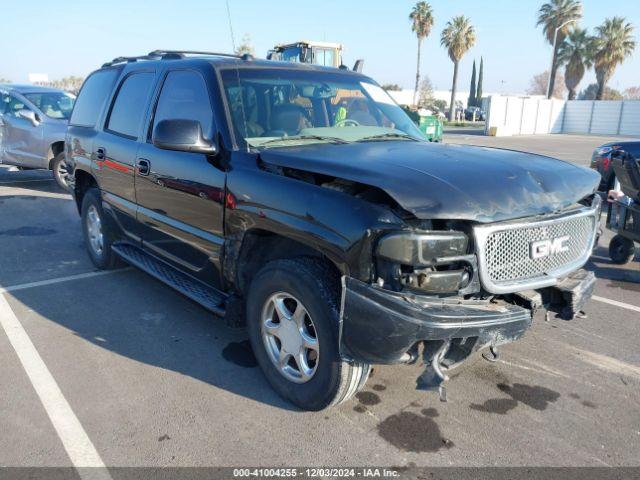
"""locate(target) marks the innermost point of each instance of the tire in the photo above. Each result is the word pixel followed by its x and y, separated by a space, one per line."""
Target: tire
pixel 308 282
pixel 103 258
pixel 59 168
pixel 621 250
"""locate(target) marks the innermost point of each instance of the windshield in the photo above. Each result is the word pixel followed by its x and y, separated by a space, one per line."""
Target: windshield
pixel 53 104
pixel 276 107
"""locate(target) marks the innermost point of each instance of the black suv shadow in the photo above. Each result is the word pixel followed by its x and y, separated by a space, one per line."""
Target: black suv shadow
pixel 131 314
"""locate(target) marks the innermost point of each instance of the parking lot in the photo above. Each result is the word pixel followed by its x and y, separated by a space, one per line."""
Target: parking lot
pixel 154 380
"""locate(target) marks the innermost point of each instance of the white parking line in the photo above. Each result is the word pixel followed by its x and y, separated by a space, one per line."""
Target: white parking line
pixel 74 439
pixel 633 308
pixel 51 281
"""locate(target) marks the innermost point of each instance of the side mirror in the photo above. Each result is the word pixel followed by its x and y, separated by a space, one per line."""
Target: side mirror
pixel 29 115
pixel 182 135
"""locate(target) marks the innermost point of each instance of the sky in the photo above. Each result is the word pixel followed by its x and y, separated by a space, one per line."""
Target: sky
pixel 74 37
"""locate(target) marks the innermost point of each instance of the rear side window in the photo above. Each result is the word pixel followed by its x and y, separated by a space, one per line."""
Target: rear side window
pixel 92 98
pixel 184 96
pixel 130 104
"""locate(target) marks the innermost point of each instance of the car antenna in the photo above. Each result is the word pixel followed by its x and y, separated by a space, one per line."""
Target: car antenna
pixel 240 94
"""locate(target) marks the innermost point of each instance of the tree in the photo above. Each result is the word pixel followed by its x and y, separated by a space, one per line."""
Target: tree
pixel 472 88
pixel 556 17
pixel 421 22
pixel 614 43
pixel 69 84
pixel 591 93
pixel 479 87
pixel 4 80
pixel 439 105
pixel 426 93
pixel 632 93
pixel 457 37
pixel 391 87
pixel 576 52
pixel 538 85
pixel 245 46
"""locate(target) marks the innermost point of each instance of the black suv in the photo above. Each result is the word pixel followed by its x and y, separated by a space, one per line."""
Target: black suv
pixel 302 202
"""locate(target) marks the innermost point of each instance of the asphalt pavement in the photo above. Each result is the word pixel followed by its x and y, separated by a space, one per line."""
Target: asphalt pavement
pixel 118 369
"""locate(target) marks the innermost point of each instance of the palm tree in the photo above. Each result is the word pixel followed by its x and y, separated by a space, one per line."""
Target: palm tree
pixel 457 37
pixel 422 20
pixel 577 52
pixel 556 17
pixel 614 43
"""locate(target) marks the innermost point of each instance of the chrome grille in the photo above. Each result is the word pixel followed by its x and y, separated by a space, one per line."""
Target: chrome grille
pixel 504 250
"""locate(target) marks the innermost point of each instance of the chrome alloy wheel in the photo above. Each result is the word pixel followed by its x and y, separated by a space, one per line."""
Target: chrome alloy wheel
pixel 290 337
pixel 94 229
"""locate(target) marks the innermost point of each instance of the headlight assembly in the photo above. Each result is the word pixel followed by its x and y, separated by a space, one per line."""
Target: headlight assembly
pixel 422 249
pixel 434 262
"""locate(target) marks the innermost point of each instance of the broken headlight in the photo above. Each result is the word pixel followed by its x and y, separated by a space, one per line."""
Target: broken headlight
pixel 434 262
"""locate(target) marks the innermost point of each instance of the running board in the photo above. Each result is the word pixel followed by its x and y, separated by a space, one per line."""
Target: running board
pixel 208 297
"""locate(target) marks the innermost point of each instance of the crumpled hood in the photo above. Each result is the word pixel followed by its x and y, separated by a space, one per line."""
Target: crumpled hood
pixel 436 181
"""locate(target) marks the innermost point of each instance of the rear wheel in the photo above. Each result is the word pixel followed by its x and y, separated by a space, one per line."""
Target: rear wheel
pixel 60 172
pixel 621 250
pixel 98 235
pixel 292 318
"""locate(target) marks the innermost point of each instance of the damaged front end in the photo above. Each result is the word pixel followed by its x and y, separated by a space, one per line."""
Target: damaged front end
pixel 444 290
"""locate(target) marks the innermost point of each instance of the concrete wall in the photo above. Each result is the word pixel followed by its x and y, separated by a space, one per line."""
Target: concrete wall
pixel 534 115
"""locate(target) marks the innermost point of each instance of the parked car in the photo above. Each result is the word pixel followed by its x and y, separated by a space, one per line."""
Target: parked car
pixel 471 111
pixel 244 185
pixel 601 161
pixel 33 123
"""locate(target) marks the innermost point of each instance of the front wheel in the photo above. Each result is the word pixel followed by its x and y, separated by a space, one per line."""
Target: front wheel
pixel 621 250
pixel 60 171
pixel 292 319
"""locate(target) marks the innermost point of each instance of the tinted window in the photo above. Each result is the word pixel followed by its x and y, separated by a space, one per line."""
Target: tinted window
pixel 184 96
pixel 92 98
pixel 129 106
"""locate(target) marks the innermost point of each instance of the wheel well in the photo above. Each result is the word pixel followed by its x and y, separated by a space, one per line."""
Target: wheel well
pixel 260 247
pixel 84 181
pixel 54 150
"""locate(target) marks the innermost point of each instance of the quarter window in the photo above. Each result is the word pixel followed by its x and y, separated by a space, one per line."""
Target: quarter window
pixel 93 95
pixel 184 96
pixel 130 104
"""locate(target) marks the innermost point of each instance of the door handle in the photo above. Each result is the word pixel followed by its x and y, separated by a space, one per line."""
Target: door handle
pixel 144 167
pixel 101 153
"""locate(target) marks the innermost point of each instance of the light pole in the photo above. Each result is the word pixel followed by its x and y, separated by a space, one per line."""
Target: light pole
pixel 553 54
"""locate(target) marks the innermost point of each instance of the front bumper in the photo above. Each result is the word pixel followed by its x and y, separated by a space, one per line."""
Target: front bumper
pixel 380 326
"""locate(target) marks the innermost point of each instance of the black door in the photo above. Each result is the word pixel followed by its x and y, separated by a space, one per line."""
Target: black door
pixel 180 195
pixel 115 148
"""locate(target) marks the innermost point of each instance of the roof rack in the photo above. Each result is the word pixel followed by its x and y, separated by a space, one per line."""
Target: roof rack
pixel 173 55
pixel 118 60
pixel 183 53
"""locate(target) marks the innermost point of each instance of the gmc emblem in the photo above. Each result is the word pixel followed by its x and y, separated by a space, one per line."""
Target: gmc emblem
pixel 548 247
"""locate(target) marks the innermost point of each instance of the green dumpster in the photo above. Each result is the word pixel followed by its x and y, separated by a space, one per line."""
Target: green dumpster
pixel 431 126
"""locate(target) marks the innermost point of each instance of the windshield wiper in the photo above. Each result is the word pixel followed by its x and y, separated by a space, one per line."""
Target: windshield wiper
pixel 304 137
pixel 388 136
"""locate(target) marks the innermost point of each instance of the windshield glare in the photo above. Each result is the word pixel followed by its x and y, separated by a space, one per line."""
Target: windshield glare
pixel 54 105
pixel 277 107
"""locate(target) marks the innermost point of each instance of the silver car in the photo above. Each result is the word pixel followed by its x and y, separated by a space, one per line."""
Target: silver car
pixel 33 123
